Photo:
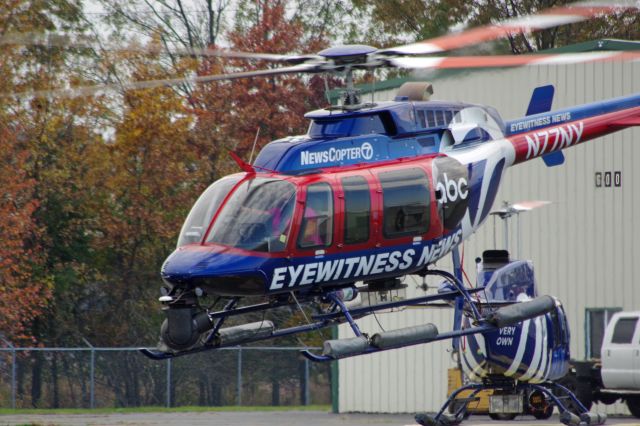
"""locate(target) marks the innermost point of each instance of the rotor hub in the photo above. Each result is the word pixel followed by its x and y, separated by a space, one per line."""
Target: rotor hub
pixel 348 54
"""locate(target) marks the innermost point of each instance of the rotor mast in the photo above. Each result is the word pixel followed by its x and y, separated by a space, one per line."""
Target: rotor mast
pixel 350 95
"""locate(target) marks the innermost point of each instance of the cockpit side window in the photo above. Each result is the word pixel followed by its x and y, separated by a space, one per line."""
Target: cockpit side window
pixel 204 209
pixel 257 216
pixel 317 222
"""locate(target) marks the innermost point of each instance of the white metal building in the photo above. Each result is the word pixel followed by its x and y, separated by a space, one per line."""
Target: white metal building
pixel 582 245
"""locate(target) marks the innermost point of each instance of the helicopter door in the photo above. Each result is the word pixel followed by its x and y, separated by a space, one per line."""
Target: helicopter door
pixel 356 210
pixel 406 203
pixel 317 222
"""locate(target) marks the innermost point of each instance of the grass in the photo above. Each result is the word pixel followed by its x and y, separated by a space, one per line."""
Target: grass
pixel 9 411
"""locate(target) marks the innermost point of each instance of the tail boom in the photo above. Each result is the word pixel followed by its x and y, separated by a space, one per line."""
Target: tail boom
pixel 548 139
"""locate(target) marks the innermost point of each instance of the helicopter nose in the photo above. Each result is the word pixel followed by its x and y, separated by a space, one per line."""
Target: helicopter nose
pixel 216 270
pixel 183 263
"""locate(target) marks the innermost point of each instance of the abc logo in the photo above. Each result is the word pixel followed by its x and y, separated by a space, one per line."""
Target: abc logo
pixel 452 190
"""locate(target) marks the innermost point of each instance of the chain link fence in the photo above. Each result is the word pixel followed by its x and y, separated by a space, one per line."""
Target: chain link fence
pixel 92 377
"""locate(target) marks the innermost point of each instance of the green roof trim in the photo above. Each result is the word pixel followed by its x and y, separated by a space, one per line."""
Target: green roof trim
pixel 605 44
pixel 587 46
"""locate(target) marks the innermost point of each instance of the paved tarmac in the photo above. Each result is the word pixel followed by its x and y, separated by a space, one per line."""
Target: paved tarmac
pixel 256 418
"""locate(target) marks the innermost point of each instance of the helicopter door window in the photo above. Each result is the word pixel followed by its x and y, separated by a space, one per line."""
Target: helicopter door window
pixel 357 209
pixel 405 195
pixel 317 222
pixel 257 216
pixel 204 209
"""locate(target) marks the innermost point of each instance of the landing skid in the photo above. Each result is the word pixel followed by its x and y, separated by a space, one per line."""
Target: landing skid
pixel 336 314
pixel 584 417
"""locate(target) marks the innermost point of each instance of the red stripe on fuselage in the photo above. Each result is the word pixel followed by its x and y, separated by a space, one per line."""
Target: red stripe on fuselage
pixel 555 138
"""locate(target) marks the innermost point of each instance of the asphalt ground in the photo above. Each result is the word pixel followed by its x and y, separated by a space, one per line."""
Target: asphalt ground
pixel 258 418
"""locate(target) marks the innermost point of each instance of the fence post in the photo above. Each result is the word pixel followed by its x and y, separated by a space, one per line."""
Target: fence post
pixel 239 381
pixel 14 371
pixel 306 382
pixel 168 382
pixel 92 374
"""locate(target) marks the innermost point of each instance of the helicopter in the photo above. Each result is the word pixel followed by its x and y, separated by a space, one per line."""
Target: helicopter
pixel 374 192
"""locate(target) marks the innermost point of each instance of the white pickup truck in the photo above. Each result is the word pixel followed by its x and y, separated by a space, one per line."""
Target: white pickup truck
pixel 616 376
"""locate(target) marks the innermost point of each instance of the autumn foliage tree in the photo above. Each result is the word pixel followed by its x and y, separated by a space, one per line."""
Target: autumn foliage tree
pixel 230 114
pixel 27 131
pixel 23 292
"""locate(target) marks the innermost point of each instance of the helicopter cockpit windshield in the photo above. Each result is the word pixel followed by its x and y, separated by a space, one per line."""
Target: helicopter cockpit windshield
pixel 257 216
pixel 204 209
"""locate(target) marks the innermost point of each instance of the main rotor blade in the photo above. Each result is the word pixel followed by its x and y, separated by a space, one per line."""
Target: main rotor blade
pixel 84 42
pixel 499 61
pixel 149 84
pixel 547 18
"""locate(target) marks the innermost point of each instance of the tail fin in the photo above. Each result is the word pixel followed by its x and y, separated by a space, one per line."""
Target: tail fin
pixel 541 100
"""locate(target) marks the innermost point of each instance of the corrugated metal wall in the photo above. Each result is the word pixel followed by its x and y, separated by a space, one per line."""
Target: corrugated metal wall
pixel 582 245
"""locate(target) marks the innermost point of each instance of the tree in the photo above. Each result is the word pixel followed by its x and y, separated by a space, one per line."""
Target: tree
pixel 23 158
pixel 230 114
pixel 23 293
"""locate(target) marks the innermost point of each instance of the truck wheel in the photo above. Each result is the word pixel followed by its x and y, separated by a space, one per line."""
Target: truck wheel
pixel 633 403
pixel 502 416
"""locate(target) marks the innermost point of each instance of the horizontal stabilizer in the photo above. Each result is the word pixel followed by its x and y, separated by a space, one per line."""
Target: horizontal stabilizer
pixel 345 347
pixel 240 333
pixel 553 159
pixel 518 312
pixel 405 336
